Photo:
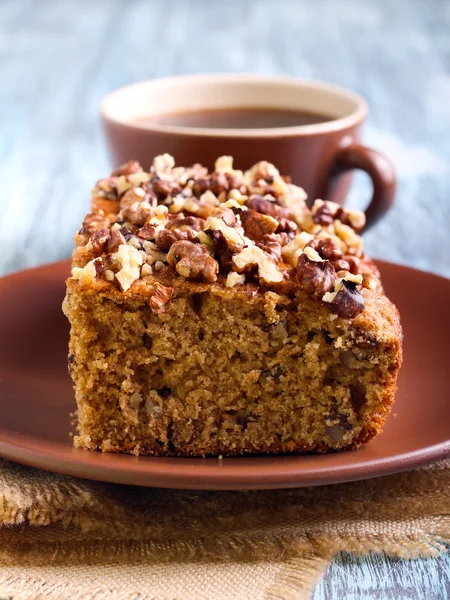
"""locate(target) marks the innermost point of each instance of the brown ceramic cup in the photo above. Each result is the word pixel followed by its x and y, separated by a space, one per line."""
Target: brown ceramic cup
pixel 319 157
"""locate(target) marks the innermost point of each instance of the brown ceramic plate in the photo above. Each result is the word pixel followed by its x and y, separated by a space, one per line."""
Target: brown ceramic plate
pixel 36 397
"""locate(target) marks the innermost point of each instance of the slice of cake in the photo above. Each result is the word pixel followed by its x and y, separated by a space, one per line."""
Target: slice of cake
pixel 215 313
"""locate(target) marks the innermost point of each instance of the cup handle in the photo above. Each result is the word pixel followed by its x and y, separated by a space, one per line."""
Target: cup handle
pixel 379 169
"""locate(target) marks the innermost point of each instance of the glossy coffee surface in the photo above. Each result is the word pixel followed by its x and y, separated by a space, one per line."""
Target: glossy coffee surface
pixel 36 398
pixel 236 118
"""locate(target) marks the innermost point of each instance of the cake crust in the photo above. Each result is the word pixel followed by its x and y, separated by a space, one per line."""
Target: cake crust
pixel 233 332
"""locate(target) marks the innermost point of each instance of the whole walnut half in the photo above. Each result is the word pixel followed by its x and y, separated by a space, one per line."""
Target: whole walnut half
pixel 315 277
pixel 192 261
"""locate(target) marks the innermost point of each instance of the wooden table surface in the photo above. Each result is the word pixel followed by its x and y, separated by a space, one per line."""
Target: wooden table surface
pixel 57 59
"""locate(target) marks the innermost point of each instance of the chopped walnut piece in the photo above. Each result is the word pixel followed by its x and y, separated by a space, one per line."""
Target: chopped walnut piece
pixel 237 196
pixel 167 237
pixel 268 207
pixel 349 237
pixel 137 179
pixel 130 260
pixel 137 213
pixel 312 254
pixel 290 250
pixel 256 225
pixel 345 300
pixel 127 168
pixel 316 277
pixel 340 265
pixel 193 261
pixel 233 234
pixel 197 207
pixel 353 264
pixel 93 222
pixel 182 223
pixel 253 256
pixel 146 270
pixel 164 188
pixel 225 248
pixel 135 194
pixel 234 279
pixel 163 165
pixel 154 253
pixel 226 214
pixel 327 248
pixel 323 215
pixel 87 274
pixel 271 246
pixel 261 171
pixel 224 164
pixel 161 297
pixel 98 241
pixel 357 219
pixel 370 282
pixel 114 241
pixel 218 183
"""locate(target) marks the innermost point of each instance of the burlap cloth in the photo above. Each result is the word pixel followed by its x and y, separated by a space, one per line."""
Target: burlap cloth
pixel 63 537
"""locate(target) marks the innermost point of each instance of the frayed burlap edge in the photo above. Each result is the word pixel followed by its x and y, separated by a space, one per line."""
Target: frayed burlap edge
pixel 50 519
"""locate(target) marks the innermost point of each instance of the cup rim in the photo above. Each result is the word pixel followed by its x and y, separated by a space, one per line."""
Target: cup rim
pixel 333 125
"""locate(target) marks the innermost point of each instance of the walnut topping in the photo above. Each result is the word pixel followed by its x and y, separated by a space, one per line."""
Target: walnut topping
pixel 316 277
pixel 254 223
pixel 161 297
pixel 129 259
pixel 234 279
pixel 193 261
pixel 253 256
pixel 257 225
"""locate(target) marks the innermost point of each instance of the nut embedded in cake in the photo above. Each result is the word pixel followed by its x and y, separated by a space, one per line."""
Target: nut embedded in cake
pixel 215 313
